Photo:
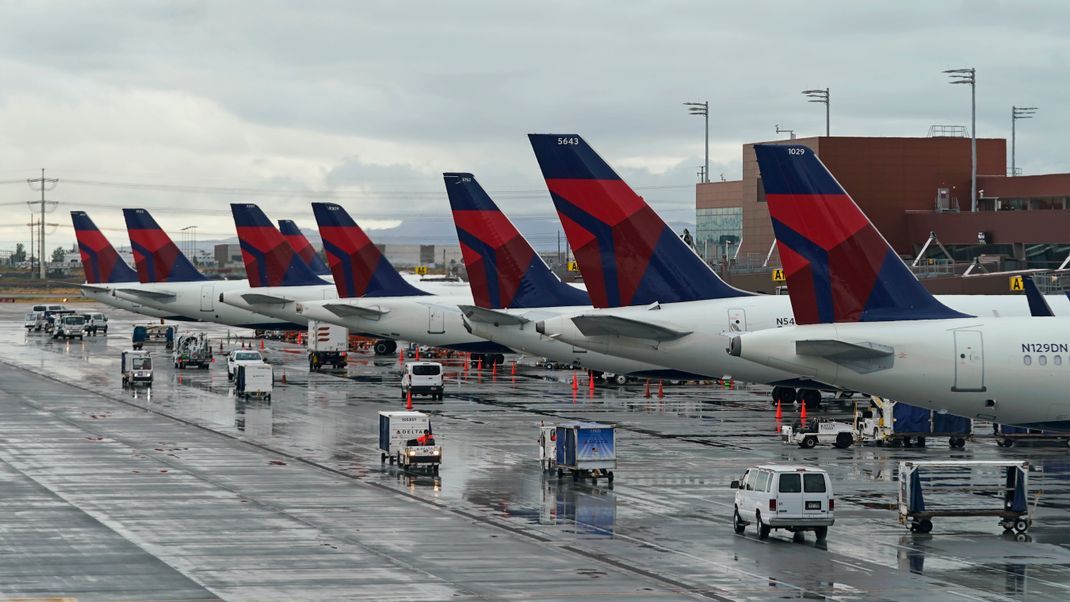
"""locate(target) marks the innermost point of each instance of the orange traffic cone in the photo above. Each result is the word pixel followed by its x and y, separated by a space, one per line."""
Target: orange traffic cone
pixel 661 390
pixel 261 343
pixel 417 353
pixel 479 365
pixel 590 381
pixel 802 412
pixel 494 368
pixel 779 412
pixel 513 371
pixel 284 376
pixel 401 357
pixel 408 400
pixel 575 382
pixel 646 393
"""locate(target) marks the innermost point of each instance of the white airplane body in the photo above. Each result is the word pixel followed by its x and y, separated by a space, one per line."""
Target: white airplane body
pixel 199 300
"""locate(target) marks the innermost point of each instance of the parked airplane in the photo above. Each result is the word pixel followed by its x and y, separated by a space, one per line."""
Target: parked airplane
pixel 374 298
pixel 304 249
pixel 681 313
pixel 513 288
pixel 865 323
pixel 169 282
pixel 103 267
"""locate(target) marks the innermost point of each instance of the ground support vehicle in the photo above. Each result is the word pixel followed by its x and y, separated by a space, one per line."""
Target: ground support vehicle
pixel 154 333
pixel 136 367
pixel 586 449
pixel 96 323
pixel 902 425
pixel 399 440
pixel 53 316
pixel 422 378
pixel 829 432
pixel 929 489
pixel 193 350
pixel 254 380
pixel 240 357
pixel 69 326
pixel 1007 435
pixel 774 496
pixel 328 346
pixel 30 320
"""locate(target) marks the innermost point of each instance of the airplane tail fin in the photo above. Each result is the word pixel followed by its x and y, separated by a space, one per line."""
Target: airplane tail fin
pixel 269 258
pixel 1038 305
pixel 300 243
pixel 628 255
pixel 100 260
pixel 359 269
pixel 155 254
pixel 503 270
pixel 838 266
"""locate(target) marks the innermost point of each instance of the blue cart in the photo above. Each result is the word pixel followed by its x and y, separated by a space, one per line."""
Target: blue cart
pixel 587 449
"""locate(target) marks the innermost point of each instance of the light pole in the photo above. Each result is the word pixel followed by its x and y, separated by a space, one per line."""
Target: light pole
pixel 1016 114
pixel 821 96
pixel 189 233
pixel 969 76
pixel 702 108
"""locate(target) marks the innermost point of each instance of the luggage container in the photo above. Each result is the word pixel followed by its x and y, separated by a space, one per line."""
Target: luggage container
pixel 930 489
pixel 136 367
pixel 902 425
pixel 254 380
pixel 1007 435
pixel 399 434
pixel 328 346
pixel 587 449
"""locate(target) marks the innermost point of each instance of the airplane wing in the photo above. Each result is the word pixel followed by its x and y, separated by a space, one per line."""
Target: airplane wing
pixel 862 357
pixel 140 292
pixel 94 288
pixel 261 299
pixel 617 326
pixel 345 310
pixel 491 316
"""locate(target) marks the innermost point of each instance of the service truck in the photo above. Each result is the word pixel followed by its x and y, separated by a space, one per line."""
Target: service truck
pixel 831 432
pixel 241 357
pixel 69 326
pixel 400 440
pixel 328 346
pixel 254 380
pixel 193 350
pixel 586 449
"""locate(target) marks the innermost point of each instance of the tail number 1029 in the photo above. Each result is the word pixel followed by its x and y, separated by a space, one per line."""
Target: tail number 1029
pixel 796 151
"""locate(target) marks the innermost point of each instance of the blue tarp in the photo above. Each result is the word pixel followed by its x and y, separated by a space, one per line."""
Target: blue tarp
pixel 916 503
pixel 1018 503
pixel 948 423
pixel 910 419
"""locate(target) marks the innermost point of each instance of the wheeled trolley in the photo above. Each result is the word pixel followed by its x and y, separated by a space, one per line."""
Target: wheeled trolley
pixel 953 488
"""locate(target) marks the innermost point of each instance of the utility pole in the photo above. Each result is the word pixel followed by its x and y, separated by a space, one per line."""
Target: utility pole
pixel 44 184
pixel 33 250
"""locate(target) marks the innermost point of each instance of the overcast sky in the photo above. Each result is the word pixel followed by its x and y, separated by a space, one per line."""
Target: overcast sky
pixel 184 107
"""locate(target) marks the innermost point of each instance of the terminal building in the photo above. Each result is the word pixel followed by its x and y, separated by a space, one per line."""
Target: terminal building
pixel 910 188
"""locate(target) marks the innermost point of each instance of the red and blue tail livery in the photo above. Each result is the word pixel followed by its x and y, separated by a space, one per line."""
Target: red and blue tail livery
pixel 155 254
pixel 269 258
pixel 503 270
pixel 627 254
pixel 304 249
pixel 838 266
pixel 100 260
pixel 359 268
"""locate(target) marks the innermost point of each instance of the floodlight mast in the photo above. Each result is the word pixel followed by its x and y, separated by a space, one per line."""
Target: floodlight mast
pixel 820 96
pixel 968 75
pixel 703 109
pixel 1016 114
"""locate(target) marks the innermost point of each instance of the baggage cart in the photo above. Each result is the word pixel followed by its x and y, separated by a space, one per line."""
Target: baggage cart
pixel 399 433
pixel 930 489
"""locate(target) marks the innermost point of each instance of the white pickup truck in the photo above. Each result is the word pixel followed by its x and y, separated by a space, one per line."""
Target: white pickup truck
pixel 239 357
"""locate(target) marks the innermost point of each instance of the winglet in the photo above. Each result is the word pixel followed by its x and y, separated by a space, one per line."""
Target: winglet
pixel 838 267
pixel 1038 305
pixel 155 254
pixel 100 260
pixel 503 270
pixel 359 269
pixel 628 255
pixel 304 249
pixel 269 259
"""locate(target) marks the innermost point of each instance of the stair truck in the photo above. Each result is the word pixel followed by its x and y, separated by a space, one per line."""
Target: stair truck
pixel 586 449
pixel 960 488
pixel 328 346
pixel 399 440
pixel 901 425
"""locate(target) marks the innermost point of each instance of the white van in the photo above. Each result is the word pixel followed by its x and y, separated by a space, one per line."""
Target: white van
pixel 422 378
pixel 796 498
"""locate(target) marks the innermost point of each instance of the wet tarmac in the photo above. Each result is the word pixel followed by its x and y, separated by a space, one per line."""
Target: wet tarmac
pixel 186 492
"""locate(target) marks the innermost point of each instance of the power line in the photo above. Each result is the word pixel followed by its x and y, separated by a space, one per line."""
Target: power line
pixel 45 184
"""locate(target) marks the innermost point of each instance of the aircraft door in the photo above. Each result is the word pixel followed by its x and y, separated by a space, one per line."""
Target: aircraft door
pixel 969 361
pixel 436 320
pixel 206 298
pixel 737 320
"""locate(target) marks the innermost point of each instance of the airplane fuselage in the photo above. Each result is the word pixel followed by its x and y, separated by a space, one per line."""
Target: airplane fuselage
pixel 199 300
